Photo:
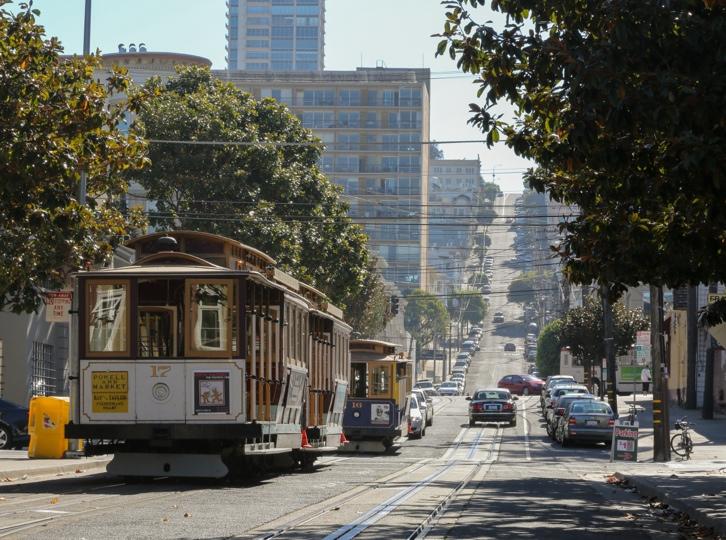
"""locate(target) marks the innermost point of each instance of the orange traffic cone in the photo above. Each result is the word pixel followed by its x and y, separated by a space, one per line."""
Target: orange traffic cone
pixel 305 443
pixel 343 440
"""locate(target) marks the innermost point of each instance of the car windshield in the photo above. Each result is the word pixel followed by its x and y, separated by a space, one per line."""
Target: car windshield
pixel 590 407
pixel 491 394
pixel 448 384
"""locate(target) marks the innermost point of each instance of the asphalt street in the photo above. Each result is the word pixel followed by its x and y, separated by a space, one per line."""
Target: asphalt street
pixel 457 482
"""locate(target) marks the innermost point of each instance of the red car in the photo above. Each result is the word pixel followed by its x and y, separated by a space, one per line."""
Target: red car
pixel 522 385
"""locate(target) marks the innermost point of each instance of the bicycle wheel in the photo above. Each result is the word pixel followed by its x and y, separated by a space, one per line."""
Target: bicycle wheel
pixel 681 444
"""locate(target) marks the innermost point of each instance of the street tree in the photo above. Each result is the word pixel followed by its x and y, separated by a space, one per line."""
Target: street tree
pixel 424 318
pixel 54 122
pixel 466 306
pixel 615 102
pixel 369 313
pixel 581 329
pixel 262 187
pixel 548 349
pixel 522 289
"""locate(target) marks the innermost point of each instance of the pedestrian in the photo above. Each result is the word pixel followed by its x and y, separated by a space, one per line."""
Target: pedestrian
pixel 645 378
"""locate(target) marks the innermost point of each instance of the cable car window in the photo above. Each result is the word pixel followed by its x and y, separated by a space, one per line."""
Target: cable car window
pixel 358 380
pixel 210 328
pixel 108 317
pixel 157 332
pixel 380 380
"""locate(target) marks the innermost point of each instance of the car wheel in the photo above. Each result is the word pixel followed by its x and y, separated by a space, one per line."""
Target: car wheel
pixel 525 392
pixel 472 423
pixel 513 423
pixel 6 439
pixel 423 431
pixel 429 421
pixel 563 441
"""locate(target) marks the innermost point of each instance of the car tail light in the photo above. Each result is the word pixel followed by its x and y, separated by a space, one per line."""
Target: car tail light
pixel 507 407
pixel 410 427
pixel 572 421
pixel 611 422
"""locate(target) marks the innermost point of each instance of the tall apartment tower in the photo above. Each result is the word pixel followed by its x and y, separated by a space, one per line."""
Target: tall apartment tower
pixel 372 122
pixel 275 35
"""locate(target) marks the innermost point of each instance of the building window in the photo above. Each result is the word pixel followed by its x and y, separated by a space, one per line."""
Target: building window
pixel 258 32
pixel 349 97
pixel 44 376
pixel 257 55
pixel 258 43
pixel 258 21
pixel 349 119
pixel 347 164
pixel 259 66
pixel 258 10
pixel 318 97
pixel 317 119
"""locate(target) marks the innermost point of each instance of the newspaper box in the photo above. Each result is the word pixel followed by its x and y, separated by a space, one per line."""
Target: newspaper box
pixel 46 425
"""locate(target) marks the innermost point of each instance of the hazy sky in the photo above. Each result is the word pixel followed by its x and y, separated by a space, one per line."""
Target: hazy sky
pixel 357 32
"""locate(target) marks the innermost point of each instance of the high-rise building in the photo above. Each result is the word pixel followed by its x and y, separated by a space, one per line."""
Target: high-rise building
pixel 372 122
pixel 276 35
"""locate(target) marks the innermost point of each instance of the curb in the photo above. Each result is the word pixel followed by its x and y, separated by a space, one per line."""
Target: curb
pixel 650 489
pixel 77 467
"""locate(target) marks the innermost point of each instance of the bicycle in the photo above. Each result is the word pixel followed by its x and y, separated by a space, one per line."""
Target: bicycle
pixel 681 443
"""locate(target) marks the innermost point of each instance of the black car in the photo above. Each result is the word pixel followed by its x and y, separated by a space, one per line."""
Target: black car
pixel 13 425
pixel 494 405
pixel 510 347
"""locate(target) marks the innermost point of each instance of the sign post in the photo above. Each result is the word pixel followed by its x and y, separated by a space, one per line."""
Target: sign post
pixel 625 441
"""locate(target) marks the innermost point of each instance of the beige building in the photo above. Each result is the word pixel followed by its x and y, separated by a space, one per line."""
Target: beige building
pixel 453 198
pixel 372 122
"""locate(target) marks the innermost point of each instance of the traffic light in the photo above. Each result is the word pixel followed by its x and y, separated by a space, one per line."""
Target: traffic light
pixel 394 305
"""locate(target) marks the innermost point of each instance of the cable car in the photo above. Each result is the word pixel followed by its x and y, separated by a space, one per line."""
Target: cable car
pixel 202 358
pixel 380 381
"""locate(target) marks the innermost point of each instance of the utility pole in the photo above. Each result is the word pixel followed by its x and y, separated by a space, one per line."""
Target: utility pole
pixel 607 314
pixel 692 346
pixel 447 365
pixel 82 187
pixel 661 431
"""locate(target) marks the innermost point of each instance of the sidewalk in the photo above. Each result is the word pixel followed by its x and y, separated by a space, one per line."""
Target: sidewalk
pixel 16 465
pixel 696 487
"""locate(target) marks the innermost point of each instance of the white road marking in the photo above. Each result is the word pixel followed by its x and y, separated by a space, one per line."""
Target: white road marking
pixel 455 445
pixel 526 433
pixel 52 512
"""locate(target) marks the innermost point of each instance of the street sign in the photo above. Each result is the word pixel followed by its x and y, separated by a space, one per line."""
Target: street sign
pixel 58 305
pixel 625 441
pixel 713 297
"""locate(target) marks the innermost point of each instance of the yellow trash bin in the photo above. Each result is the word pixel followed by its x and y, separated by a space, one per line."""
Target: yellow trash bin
pixel 46 424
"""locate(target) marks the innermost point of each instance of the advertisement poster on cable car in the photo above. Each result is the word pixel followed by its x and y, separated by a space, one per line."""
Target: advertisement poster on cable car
pixel 381 413
pixel 211 392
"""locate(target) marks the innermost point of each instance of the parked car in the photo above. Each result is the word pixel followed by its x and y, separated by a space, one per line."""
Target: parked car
pixel 463 356
pixel 425 402
pixel 521 384
pixel 486 289
pixel 586 420
pixel 510 347
pixel 424 383
pixel 498 317
pixel 549 382
pixel 449 388
pixel 13 425
pixel 560 390
pixel 458 376
pixel 461 364
pixel 416 418
pixel 492 405
pixel 555 414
